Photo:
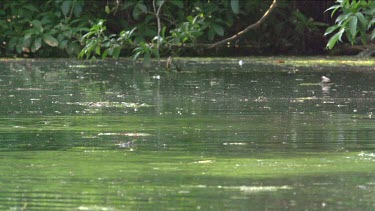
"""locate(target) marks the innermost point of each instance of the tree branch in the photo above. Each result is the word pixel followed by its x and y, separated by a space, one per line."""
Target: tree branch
pixel 252 26
pixel 157 12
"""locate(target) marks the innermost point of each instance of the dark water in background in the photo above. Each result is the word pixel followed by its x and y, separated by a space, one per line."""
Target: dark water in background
pixel 111 136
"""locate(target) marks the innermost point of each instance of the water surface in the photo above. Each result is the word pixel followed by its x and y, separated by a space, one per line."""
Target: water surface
pixel 112 136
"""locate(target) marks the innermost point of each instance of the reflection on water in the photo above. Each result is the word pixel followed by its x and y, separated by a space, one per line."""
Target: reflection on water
pixel 111 136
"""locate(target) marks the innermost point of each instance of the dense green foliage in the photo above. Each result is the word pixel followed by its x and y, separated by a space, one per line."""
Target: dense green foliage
pixel 60 28
pixel 52 28
pixel 357 18
pixel 154 28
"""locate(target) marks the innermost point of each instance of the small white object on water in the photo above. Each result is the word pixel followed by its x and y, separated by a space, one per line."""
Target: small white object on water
pixel 325 80
pixel 156 77
pixel 240 63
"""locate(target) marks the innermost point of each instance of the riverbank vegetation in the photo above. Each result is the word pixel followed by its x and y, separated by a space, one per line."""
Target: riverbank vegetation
pixel 163 28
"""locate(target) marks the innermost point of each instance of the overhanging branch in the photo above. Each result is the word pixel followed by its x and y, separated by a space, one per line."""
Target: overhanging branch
pixel 252 26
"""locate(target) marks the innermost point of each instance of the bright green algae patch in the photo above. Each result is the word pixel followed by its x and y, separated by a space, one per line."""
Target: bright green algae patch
pixel 136 179
pixel 216 136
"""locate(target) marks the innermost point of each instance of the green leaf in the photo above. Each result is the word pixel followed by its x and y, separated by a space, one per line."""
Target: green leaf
pixel 78 7
pixel 218 29
pixel 362 19
pixel 30 7
pixel 136 55
pixel 36 44
pixel 105 54
pixel 26 42
pixel 65 7
pixel 73 49
pixel 116 52
pixel 138 10
pixel 63 44
pixel 334 8
pixel 19 46
pixel 371 23
pixel 341 18
pixel 49 40
pixel 107 10
pixel 364 38
pixel 333 40
pixel 300 16
pixel 235 5
pixel 178 3
pixel 37 25
pixel 353 26
pixel 147 60
pixel 12 43
pixel 97 49
pixel 211 34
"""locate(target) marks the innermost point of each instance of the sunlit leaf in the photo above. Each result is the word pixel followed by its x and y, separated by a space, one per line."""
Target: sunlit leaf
pixel 334 39
pixel 342 18
pixel 107 10
pixel 334 8
pixel 49 40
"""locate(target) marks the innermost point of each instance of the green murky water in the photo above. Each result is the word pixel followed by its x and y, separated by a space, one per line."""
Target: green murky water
pixel 111 136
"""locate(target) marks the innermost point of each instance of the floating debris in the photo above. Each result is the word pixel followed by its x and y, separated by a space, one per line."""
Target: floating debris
pixel 204 161
pixel 82 66
pixel 107 104
pixel 257 189
pixel 125 134
pixel 240 63
pixel 234 143
pixel 95 208
pixel 31 89
pixel 128 144
pixel 309 84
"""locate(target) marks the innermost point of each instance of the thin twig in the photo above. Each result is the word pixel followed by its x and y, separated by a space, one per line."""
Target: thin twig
pixel 252 26
pixel 157 11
